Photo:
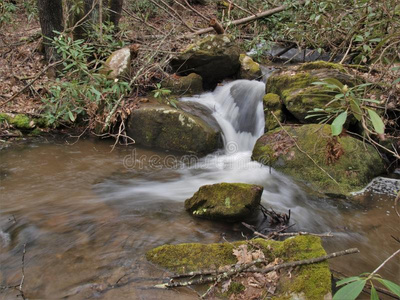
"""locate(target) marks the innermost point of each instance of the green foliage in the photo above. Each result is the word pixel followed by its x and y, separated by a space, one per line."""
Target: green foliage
pixel 163 94
pixel 7 9
pixel 81 90
pixel 160 92
pixel 365 27
pixel 345 102
pixel 31 9
pixel 353 286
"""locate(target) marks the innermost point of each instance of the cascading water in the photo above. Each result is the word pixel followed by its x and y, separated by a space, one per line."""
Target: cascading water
pixel 238 109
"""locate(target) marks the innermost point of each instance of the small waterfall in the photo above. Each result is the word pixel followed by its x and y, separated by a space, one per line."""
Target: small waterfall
pixel 237 107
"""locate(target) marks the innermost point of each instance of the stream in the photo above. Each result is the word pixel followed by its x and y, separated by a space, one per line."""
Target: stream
pixel 88 215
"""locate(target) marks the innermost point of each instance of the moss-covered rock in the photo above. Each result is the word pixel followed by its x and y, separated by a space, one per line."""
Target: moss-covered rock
pixel 184 85
pixel 214 58
pixel 298 94
pixel 225 201
pixel 21 121
pixel 249 69
pixel 165 127
pixel 350 162
pixel 272 104
pixel 314 281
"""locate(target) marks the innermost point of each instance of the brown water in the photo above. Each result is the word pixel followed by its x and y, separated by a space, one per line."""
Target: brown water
pixel 87 220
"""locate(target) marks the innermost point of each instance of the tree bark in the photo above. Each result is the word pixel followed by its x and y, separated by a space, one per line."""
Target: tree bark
pixel 115 11
pixel 51 19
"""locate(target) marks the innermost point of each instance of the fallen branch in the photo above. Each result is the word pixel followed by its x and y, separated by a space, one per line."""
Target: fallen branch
pixel 217 26
pixel 305 261
pixel 247 19
pixel 208 279
pixel 275 234
pixel 248 268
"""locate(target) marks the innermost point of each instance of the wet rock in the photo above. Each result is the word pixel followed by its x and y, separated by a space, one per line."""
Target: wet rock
pixel 297 93
pixel 117 63
pixel 165 127
pixel 347 160
pixel 214 58
pixel 249 69
pixel 272 104
pixel 225 201
pixel 313 281
pixel 184 85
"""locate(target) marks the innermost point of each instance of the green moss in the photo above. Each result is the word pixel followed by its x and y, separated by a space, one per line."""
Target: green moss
pixel 156 125
pixel 225 201
pixel 312 280
pixel 272 104
pixel 278 83
pixel 19 121
pixel 352 170
pixel 249 68
pixel 321 65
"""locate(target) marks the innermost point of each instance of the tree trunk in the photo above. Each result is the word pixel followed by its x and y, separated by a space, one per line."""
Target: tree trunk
pixel 115 11
pixel 51 19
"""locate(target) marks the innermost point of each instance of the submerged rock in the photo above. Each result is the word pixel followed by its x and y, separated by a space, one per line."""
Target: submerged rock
pixel 184 85
pixel 297 93
pixel 350 162
pixel 313 281
pixel 249 69
pixel 214 58
pixel 225 201
pixel 165 127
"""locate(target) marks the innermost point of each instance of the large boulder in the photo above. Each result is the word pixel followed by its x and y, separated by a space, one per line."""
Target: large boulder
pixel 225 201
pixel 306 282
pixel 162 126
pixel 348 163
pixel 297 93
pixel 214 58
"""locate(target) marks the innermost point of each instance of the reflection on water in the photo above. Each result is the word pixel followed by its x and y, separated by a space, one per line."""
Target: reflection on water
pixel 87 220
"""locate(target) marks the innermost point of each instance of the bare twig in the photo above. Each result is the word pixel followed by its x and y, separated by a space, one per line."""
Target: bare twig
pixel 382 264
pixel 396 202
